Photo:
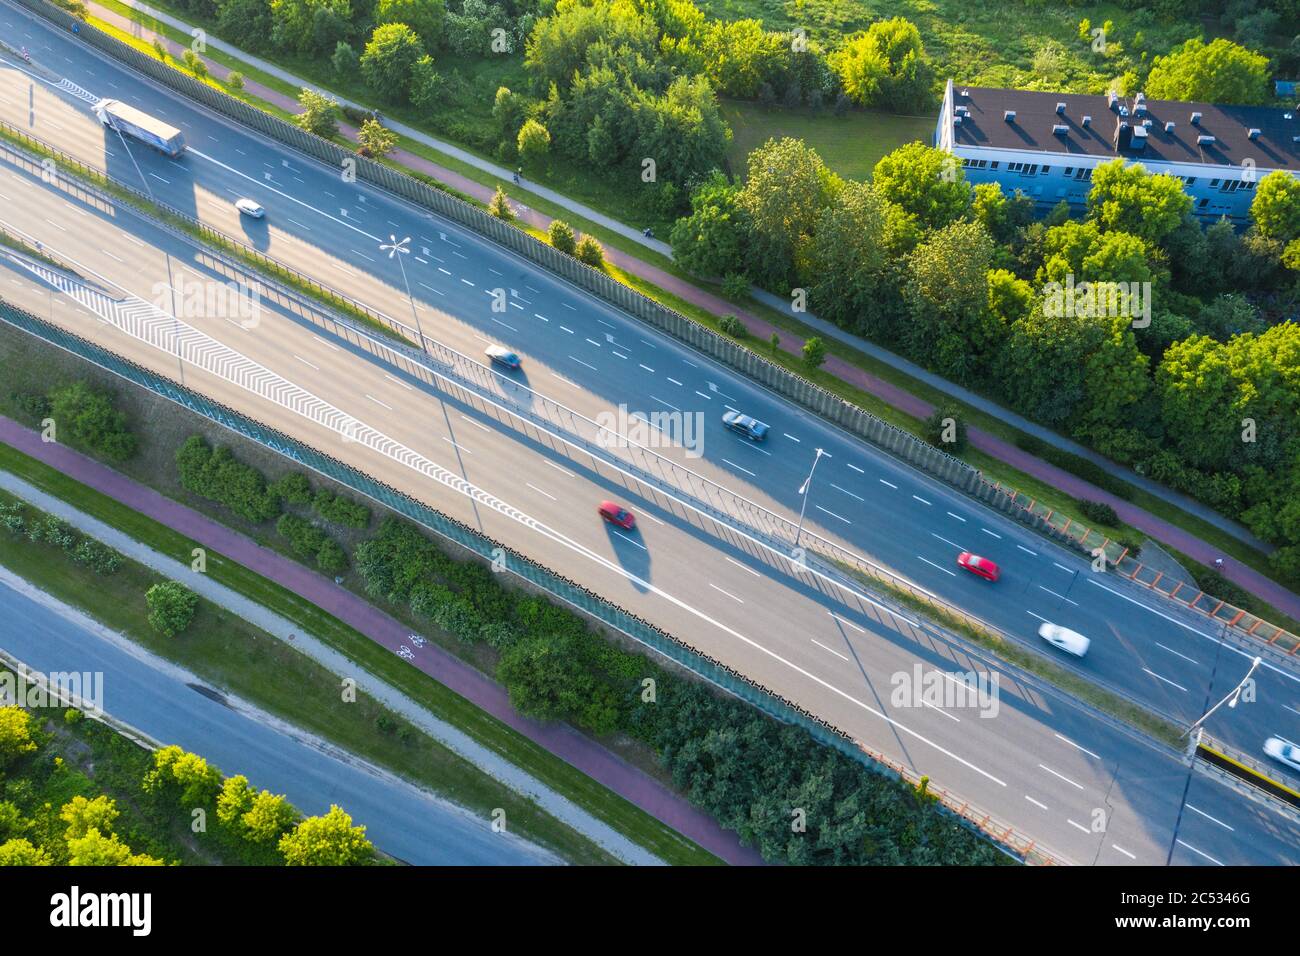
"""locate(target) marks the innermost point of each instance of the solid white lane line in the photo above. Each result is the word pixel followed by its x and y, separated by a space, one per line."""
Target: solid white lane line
pixel 1076 746
pixel 825 648
pixel 833 514
pixel 1190 660
pixel 1165 679
pixel 1055 774
pixel 847 492
pixel 1035 802
pixel 540 492
pixel 922 500
pixel 726 461
pixel 378 402
pixel 940 567
pixel 845 621
pixel 1208 817
pixel 727 593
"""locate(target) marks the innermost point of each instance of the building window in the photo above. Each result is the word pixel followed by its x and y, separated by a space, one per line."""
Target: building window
pixel 1213 183
pixel 993 164
pixel 1069 170
pixel 1045 170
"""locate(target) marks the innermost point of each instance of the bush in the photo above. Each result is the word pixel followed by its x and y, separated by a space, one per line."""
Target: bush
pixel 946 429
pixel 341 511
pixel 732 326
pixel 235 80
pixel 11 517
pixel 294 488
pixel 500 206
pixel 88 416
pixel 561 236
pixel 590 252
pixel 735 285
pixel 32 407
pixel 171 607
pixel 814 352
pixel 218 476
pixel 1098 512
pixel 308 541
pixel 97 557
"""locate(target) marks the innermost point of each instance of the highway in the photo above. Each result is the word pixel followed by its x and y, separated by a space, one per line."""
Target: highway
pixel 175 707
pixel 1041 763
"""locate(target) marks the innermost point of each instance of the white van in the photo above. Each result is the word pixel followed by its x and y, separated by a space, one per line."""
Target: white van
pixel 1072 642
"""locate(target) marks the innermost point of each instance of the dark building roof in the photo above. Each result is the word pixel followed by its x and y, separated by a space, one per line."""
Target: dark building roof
pixel 1036 118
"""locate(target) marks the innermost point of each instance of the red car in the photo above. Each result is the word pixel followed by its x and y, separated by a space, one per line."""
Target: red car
pixel 981 566
pixel 617 514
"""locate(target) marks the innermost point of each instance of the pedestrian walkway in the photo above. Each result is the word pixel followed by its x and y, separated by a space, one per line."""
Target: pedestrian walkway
pixel 563 741
pixel 1202 551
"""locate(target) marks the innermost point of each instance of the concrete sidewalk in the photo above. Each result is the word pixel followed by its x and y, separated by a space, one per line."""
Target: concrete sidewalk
pixel 563 741
pixel 1164 532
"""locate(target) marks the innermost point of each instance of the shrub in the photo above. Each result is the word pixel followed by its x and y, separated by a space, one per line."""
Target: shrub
pixel 732 326
pixel 1098 512
pixel 294 488
pixel 946 429
pixel 561 236
pixel 814 352
pixel 735 285
pixel 218 476
pixel 11 517
pixel 171 607
pixel 589 251
pixel 342 511
pixel 88 416
pixel 235 80
pixel 97 557
pixel 57 532
pixel 500 206
pixel 31 406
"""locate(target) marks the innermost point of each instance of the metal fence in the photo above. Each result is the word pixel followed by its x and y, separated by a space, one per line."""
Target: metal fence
pixel 559 587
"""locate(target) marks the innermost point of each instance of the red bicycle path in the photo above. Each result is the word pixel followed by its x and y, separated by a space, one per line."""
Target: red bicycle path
pixel 1258 584
pixel 581 752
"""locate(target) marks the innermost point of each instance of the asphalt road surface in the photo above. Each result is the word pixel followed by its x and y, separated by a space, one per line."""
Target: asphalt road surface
pixel 1041 764
pixel 156 698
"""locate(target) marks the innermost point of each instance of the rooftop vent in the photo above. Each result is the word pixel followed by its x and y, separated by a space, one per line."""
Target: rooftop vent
pixel 1139 107
pixel 956 120
pixel 1169 126
pixel 1140 97
pixel 1060 109
pixel 1111 100
pixel 965 93
pixel 1253 133
pixel 1009 116
pixel 1204 140
pixel 1139 140
pixel 1087 121
pixel 1060 129
pixel 1123 111
pixel 1196 119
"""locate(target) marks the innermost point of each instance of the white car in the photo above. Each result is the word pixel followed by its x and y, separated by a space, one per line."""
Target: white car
pixel 250 208
pixel 1283 751
pixel 1072 642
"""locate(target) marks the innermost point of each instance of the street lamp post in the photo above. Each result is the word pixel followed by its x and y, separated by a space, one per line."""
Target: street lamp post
pixel 1231 700
pixel 393 247
pixel 803 492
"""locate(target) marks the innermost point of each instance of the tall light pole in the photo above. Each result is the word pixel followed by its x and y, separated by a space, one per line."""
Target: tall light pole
pixel 393 247
pixel 803 492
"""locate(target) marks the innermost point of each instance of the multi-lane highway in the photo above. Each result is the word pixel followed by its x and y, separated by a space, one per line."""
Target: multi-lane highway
pixel 1040 763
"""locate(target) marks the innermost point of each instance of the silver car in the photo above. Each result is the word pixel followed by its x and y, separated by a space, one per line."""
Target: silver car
pixel 1072 642
pixel 1283 751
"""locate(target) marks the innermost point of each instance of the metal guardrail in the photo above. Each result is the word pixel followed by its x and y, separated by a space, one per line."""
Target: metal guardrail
pixel 488 549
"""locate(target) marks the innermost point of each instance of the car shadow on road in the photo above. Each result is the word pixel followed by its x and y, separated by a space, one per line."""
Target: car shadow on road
pixel 632 554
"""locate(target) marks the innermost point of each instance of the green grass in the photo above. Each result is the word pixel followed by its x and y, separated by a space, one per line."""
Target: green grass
pixel 602 803
pixel 851 145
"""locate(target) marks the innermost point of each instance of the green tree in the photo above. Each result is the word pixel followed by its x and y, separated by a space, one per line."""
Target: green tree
pixel 388 62
pixel 500 205
pixel 589 251
pixel 534 141
pixel 1221 72
pixel 1082 250
pixel 235 799
pixel 194 63
pixel 947 291
pixel 846 263
pixel 1127 198
pixel 21 852
pixel 319 113
pixel 97 849
pixel 375 139
pixel 886 67
pixel 426 83
pixel 82 815
pixel 89 418
pixel 561 236
pixel 925 182
pixel 309 26
pixel 814 352
pixel 1276 207
pixel 234 81
pixel 546 677
pixel 171 607
pixel 710 241
pixel 15 735
pixel 268 817
pixel 328 840
pixel 345 61
pixel 426 17
pixel 785 192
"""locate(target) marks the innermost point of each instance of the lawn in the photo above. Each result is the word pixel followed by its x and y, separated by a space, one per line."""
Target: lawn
pixel 850 144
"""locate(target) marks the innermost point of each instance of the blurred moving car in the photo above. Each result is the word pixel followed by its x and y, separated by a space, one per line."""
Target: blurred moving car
pixel 616 514
pixel 250 208
pixel 1072 642
pixel 751 428
pixel 502 356
pixel 1283 751
pixel 979 565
